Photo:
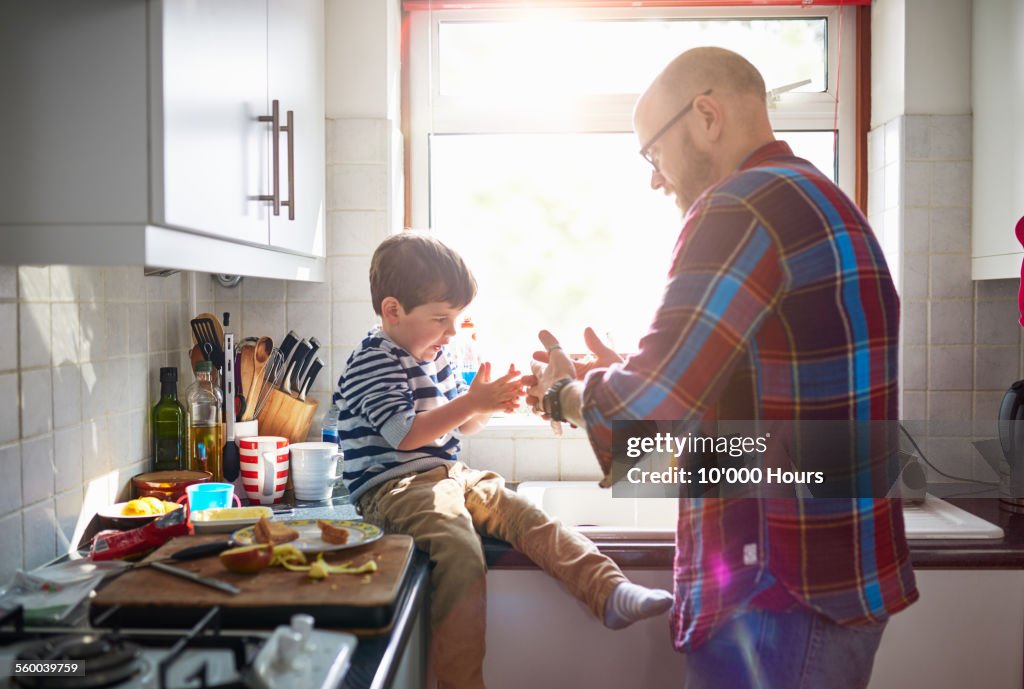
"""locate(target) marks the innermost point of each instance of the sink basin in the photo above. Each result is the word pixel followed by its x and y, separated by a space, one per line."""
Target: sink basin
pixel 598 515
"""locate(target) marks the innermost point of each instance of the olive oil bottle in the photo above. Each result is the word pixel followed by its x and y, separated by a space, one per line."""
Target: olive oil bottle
pixel 168 425
pixel 205 435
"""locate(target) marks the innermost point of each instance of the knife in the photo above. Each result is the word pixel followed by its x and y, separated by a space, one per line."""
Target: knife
pixel 314 345
pixel 291 379
pixel 192 576
pixel 307 382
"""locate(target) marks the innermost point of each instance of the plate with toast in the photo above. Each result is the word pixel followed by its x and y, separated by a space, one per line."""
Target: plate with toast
pixel 310 535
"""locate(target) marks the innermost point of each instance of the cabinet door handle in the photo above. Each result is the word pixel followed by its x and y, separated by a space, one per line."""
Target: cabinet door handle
pixel 274 118
pixel 290 128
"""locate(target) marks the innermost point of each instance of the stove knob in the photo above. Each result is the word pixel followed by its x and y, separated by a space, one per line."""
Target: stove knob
pixel 303 626
pixel 288 645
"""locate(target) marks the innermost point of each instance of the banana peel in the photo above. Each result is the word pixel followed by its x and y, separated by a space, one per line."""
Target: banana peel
pixel 320 569
pixel 287 553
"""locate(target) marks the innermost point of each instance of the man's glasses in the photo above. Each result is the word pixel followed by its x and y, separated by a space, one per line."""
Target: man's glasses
pixel 646 150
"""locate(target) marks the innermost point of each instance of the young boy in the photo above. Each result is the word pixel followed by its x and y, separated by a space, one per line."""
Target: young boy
pixel 401 409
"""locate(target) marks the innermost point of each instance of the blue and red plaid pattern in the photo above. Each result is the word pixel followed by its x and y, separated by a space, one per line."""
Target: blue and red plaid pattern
pixel 779 306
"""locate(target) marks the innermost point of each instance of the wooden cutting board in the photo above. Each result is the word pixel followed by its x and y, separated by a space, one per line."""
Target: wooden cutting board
pixel 150 598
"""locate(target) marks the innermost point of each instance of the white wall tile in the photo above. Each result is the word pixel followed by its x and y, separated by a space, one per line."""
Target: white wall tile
pixel 10 485
pixel 951 137
pixel 357 187
pixel 998 289
pixel 916 184
pixel 876 192
pixel 37 469
pixel 125 283
pixel 34 334
pixel 264 318
pixel 138 328
pixel 915 406
pixel 491 454
pixel 949 368
pixel 916 231
pixel 93 337
pixel 577 461
pixel 951 230
pixel 67 456
pixel 88 282
pixel 36 402
pixel 355 232
pixel 986 402
pixel 915 323
pixel 262 289
pixel 915 277
pixel 136 389
pixel 34 283
pixel 952 322
pixel 67 396
pixel 62 284
pixel 319 292
pixel 357 140
pixel 94 400
pixel 8 282
pixel 915 368
pixel 950 406
pixel 917 139
pixel 951 277
pixel 94 461
pixel 9 337
pixel 536 460
pixel 350 278
pixel 951 184
pixel 116 331
pixel 893 140
pixel 995 367
pixel 40 534
pixel 876 149
pixel 157 315
pixel 350 322
pixel 310 320
pixel 892 180
pixel 65 334
pixel 996 323
pixel 11 546
pixel 9 408
pixel 68 507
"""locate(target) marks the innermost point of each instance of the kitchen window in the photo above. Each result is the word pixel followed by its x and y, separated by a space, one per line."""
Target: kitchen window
pixel 522 155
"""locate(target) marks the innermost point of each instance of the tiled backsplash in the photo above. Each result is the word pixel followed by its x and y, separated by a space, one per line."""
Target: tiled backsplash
pixel 78 371
pixel 961 344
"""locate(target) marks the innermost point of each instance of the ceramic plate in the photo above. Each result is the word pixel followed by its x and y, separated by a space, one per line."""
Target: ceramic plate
pixel 116 511
pixel 309 541
pixel 227 519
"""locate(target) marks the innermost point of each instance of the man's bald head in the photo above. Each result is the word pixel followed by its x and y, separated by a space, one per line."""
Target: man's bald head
pixel 700 118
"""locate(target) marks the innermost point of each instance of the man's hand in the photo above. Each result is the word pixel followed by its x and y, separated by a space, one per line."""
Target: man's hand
pixel 500 395
pixel 603 356
pixel 555 365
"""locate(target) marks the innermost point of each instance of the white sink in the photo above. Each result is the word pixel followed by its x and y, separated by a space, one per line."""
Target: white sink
pixel 598 515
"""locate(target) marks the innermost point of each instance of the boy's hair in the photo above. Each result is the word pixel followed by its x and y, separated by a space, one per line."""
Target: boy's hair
pixel 415 268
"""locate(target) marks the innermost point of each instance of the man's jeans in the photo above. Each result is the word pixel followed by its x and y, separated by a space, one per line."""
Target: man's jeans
pixel 799 649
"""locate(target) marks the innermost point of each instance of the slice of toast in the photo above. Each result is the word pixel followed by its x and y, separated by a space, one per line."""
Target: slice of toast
pixel 337 535
pixel 267 531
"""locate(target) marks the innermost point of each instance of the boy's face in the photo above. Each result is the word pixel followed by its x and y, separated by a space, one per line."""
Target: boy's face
pixel 423 330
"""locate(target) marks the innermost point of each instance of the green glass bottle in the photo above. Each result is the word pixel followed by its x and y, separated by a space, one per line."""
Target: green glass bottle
pixel 168 425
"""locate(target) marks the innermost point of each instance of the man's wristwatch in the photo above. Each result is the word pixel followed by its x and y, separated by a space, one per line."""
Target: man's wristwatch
pixel 552 402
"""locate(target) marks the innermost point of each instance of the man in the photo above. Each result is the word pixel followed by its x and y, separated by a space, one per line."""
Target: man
pixel 779 306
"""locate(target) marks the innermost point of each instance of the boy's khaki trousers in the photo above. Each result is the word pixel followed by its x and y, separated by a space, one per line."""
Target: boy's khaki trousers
pixel 443 510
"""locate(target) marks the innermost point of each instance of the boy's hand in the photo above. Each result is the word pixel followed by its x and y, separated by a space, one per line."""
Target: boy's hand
pixel 500 395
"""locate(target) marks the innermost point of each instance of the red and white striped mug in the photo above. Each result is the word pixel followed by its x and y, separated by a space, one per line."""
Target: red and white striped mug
pixel 264 460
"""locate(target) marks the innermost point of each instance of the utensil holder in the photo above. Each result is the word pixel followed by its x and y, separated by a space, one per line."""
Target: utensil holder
pixel 286 416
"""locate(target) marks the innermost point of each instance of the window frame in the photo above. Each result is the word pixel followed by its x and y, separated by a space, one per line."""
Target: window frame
pixel 431 113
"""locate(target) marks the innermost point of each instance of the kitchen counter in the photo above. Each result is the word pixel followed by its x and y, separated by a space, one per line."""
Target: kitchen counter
pixel 1001 553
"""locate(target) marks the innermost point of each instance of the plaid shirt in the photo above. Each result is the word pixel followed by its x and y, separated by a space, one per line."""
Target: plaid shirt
pixel 779 305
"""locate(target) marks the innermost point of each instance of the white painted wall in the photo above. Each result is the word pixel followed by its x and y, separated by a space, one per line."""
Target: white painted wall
pixel 938 57
pixel 362 58
pixel 888 63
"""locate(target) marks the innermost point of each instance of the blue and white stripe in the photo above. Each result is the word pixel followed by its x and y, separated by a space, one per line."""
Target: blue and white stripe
pixel 379 394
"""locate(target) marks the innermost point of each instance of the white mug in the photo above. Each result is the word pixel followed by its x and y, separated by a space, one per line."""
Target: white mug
pixel 314 469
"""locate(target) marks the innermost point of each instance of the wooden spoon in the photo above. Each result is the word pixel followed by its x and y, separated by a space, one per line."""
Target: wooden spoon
pixel 246 366
pixel 261 355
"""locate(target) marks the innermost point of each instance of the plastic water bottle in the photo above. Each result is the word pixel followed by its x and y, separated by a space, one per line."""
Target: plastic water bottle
pixel 466 351
pixel 329 426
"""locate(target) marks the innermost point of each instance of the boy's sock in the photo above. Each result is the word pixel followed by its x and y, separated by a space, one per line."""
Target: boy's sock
pixel 629 603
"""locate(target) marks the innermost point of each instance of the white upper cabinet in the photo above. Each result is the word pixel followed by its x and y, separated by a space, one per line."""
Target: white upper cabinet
pixel 142 132
pixel 997 76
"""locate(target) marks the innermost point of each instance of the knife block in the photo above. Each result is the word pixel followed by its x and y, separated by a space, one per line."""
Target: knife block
pixel 287 416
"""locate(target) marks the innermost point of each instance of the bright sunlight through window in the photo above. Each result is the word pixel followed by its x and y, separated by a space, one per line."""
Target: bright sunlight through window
pixel 524 159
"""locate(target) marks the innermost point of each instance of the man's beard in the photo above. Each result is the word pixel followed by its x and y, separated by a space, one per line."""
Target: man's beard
pixel 700 175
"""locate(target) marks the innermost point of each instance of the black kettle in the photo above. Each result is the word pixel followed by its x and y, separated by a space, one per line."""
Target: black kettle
pixel 1011 439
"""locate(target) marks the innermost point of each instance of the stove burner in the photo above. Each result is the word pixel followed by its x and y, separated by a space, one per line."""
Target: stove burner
pixel 108 660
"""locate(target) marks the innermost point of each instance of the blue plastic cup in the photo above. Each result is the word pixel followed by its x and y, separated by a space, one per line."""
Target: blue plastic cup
pixel 205 496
